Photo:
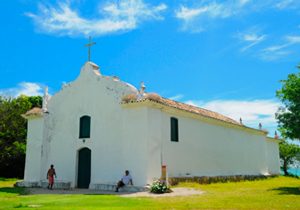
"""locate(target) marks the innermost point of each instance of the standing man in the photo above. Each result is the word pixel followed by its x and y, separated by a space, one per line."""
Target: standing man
pixel 126 179
pixel 50 176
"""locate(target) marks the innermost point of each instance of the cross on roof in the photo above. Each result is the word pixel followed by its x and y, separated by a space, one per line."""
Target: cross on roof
pixel 89 45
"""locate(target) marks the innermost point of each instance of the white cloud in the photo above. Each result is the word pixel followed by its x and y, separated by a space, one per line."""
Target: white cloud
pixel 115 17
pixel 212 10
pixel 243 2
pixel 287 4
pixel 189 14
pixel 198 18
pixel 24 88
pixel 293 39
pixel 275 48
pixel 251 39
pixel 252 112
pixel 276 52
pixel 192 17
pixel 274 55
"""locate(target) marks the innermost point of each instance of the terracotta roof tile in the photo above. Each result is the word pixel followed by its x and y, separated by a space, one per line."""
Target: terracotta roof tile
pixel 185 107
pixel 36 111
pixel 197 110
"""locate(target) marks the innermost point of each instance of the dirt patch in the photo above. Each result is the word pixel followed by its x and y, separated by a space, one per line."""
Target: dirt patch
pixel 180 191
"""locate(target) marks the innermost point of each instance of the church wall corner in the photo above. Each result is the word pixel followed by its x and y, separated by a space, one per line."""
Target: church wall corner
pixel 34 150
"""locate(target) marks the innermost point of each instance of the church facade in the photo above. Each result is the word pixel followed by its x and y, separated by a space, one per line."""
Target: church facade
pixel 97 127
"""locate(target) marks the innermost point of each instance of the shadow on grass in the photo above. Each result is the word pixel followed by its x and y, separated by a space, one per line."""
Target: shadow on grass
pixel 288 190
pixel 3 179
pixel 13 190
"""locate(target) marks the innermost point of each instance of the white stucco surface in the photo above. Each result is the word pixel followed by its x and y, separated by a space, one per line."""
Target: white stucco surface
pixel 34 150
pixel 272 152
pixel 205 147
pixel 137 137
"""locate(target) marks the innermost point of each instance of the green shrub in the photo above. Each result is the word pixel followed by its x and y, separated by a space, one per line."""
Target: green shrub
pixel 159 187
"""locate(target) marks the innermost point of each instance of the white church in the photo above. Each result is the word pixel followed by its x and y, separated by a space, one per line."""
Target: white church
pixel 98 126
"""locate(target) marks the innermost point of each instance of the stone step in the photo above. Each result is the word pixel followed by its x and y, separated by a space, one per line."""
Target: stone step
pixel 27 184
pixel 65 185
pixel 111 187
pixel 58 184
pixel 62 185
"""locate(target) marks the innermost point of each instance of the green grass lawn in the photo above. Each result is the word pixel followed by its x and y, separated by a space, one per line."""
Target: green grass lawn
pixel 272 193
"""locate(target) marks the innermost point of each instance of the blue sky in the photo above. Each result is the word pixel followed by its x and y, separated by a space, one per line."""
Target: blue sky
pixel 227 56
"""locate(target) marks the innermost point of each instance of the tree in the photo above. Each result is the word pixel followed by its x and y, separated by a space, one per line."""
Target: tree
pixel 13 129
pixel 36 101
pixel 289 116
pixel 289 153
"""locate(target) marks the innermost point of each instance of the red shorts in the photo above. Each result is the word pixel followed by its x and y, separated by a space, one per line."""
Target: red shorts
pixel 51 179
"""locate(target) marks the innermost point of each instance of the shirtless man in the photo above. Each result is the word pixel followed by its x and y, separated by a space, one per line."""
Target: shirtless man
pixel 50 176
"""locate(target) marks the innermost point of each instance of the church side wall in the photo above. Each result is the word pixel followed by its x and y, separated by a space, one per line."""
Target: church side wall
pixel 33 150
pixel 205 149
pixel 273 159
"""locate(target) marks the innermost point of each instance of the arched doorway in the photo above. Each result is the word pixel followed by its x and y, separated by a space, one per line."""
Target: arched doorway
pixel 84 168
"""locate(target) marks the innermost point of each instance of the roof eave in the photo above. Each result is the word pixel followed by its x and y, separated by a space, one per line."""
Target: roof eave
pixel 32 116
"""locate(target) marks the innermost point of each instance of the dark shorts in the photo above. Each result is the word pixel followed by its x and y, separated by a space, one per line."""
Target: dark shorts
pixel 121 184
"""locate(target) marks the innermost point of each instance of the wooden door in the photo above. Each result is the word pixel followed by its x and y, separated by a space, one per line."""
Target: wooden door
pixel 84 168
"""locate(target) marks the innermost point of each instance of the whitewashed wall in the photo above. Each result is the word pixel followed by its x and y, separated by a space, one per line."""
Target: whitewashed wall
pixel 273 159
pixel 117 138
pixel 156 132
pixel 33 150
pixel 134 144
pixel 205 148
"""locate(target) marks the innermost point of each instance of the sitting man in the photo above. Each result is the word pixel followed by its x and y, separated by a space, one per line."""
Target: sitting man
pixel 126 179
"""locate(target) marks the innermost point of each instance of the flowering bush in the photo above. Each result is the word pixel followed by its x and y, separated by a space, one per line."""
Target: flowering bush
pixel 159 186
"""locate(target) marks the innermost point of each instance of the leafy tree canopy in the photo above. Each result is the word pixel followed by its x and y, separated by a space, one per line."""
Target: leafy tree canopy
pixel 13 129
pixel 289 116
pixel 289 154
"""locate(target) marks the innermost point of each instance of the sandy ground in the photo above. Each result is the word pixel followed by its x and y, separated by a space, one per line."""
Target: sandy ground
pixel 180 191
pixel 176 192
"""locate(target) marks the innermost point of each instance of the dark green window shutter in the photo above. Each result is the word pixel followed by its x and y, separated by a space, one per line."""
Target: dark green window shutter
pixel 174 129
pixel 85 127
